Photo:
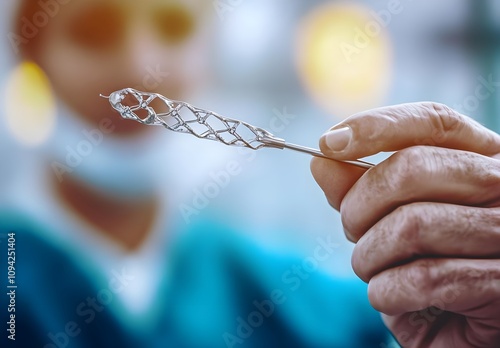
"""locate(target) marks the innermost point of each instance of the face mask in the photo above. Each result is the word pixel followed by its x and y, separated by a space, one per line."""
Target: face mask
pixel 159 162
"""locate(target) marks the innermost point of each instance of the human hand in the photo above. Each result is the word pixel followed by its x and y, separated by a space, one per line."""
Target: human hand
pixel 426 220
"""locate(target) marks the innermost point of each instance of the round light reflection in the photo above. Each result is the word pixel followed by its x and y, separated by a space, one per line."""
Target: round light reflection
pixel 29 105
pixel 343 58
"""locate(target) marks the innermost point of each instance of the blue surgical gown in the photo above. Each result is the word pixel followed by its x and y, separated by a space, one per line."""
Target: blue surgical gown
pixel 221 290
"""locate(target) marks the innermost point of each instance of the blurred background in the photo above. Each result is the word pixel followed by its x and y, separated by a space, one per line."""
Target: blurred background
pixel 281 65
pixel 310 58
pixel 294 68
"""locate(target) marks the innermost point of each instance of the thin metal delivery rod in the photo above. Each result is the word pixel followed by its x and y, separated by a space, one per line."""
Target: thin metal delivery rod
pixel 281 144
pixel 179 116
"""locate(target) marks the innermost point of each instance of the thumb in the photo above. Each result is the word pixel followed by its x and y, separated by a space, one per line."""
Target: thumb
pixel 397 127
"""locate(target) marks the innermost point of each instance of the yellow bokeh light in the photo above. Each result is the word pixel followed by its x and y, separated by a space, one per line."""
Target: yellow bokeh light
pixel 30 106
pixel 343 58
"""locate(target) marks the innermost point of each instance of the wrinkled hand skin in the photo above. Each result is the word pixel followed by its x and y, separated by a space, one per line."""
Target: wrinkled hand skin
pixel 426 221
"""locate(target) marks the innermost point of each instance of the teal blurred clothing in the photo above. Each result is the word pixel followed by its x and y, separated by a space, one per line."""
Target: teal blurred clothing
pixel 219 290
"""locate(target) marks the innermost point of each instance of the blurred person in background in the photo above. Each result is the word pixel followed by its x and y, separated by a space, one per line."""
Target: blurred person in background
pixel 101 259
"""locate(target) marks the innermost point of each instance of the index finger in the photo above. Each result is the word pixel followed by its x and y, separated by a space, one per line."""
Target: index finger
pixel 397 127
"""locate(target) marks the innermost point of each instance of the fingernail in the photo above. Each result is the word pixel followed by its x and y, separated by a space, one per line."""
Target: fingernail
pixel 338 139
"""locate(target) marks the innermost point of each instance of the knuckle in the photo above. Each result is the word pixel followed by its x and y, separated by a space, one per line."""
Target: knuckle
pixel 345 219
pixel 492 218
pixel 409 221
pixel 403 164
pixel 422 275
pixel 361 268
pixel 413 166
pixel 448 123
pixel 444 119
pixel 472 275
pixel 374 296
pixel 491 179
pixel 357 264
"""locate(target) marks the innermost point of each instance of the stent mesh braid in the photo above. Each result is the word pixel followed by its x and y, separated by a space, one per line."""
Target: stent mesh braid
pixel 178 116
pixel 182 117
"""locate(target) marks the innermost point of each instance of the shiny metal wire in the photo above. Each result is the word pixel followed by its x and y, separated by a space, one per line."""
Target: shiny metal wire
pixel 179 116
